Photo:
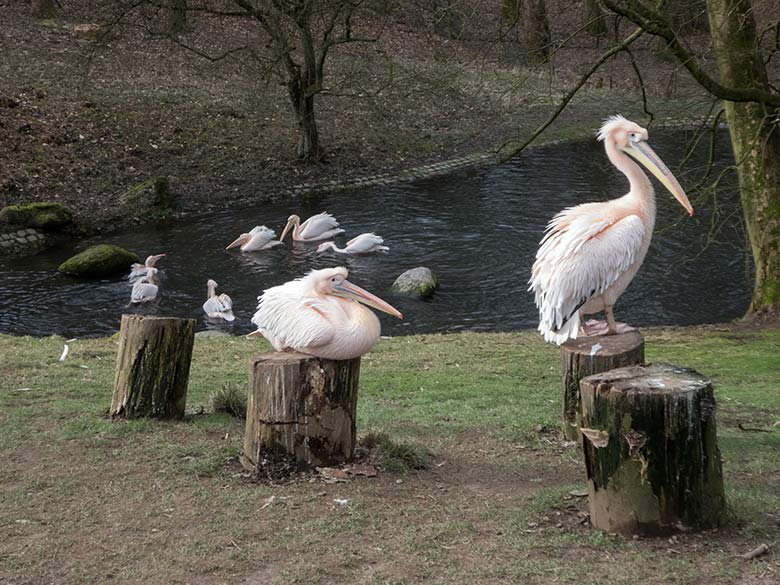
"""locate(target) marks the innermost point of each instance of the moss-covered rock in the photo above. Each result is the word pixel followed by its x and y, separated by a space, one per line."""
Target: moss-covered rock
pixel 100 260
pixel 152 197
pixel 45 216
pixel 418 282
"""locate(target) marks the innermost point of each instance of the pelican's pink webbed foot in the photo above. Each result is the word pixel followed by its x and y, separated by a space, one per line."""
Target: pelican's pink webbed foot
pixel 592 327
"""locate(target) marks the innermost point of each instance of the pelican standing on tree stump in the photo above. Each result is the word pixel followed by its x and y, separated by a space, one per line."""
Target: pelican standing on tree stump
pixel 321 314
pixel 591 252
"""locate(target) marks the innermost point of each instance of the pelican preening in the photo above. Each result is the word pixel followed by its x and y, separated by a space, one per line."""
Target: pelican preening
pixel 258 238
pixel 145 289
pixel 138 271
pixel 318 227
pixel 362 244
pixel 591 252
pixel 217 306
pixel 321 315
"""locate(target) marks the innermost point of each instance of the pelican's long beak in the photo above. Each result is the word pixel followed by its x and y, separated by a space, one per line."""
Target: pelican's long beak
pixel 285 230
pixel 642 152
pixel 239 241
pixel 153 260
pixel 352 291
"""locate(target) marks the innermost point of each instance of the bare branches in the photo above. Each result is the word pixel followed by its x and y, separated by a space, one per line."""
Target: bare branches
pixel 571 93
pixel 654 23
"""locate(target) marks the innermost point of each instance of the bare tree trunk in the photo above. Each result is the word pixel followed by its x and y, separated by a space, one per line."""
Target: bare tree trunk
pixel 304 82
pixel 595 18
pixel 537 31
pixel 43 9
pixel 177 17
pixel 755 139
pixel 303 106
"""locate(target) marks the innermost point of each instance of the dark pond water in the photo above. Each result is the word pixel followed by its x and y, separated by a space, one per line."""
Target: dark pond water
pixel 478 230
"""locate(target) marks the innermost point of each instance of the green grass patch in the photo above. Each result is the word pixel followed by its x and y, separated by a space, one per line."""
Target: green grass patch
pixel 470 490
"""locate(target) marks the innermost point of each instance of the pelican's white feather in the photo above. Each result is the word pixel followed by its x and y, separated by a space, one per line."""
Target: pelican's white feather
pixel 585 250
pixel 287 317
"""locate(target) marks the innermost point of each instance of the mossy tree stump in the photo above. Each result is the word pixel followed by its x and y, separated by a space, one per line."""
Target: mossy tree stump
pixel 586 356
pixel 300 411
pixel 651 450
pixel 152 367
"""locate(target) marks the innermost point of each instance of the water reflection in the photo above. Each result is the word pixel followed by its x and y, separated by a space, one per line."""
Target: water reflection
pixel 478 230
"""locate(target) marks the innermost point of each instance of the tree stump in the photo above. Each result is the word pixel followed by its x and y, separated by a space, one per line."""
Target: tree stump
pixel 152 367
pixel 300 412
pixel 651 450
pixel 586 356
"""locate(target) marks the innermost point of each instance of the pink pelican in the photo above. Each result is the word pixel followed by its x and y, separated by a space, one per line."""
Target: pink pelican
pixel 318 227
pixel 258 238
pixel 138 271
pixel 590 252
pixel 218 307
pixel 362 244
pixel 321 315
pixel 145 290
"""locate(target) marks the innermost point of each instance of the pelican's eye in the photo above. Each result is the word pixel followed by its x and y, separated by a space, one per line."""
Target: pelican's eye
pixel 634 137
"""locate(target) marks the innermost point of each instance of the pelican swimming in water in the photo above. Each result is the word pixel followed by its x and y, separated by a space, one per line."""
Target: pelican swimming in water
pixel 145 289
pixel 318 227
pixel 138 271
pixel 218 306
pixel 362 244
pixel 258 238
pixel 321 315
pixel 591 252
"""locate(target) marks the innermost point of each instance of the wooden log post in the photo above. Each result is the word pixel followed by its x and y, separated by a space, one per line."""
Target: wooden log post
pixel 152 367
pixel 651 450
pixel 586 356
pixel 301 411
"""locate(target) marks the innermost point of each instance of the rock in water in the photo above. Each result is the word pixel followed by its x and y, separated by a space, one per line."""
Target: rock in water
pixel 418 282
pixel 45 216
pixel 100 260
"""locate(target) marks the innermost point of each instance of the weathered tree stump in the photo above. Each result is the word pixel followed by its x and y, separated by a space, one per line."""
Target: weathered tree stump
pixel 300 411
pixel 651 450
pixel 586 356
pixel 152 367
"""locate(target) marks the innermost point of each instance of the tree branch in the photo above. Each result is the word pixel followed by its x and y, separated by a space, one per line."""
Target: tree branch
pixel 655 24
pixel 571 93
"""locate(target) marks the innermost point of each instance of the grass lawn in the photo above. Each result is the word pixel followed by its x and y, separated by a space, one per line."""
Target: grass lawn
pixel 87 500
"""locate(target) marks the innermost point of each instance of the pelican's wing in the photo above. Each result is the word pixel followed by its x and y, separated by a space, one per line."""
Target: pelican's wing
pixel 364 243
pixel 318 224
pixel 261 238
pixel 293 321
pixel 142 292
pixel 137 272
pixel 219 306
pixel 584 251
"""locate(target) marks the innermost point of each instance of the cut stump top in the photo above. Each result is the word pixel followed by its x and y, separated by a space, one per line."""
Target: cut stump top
pixel 282 357
pixel 650 379
pixel 609 344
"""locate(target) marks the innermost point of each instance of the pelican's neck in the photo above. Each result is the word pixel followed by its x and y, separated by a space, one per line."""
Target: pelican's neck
pixel 212 290
pixel 641 193
pixel 296 230
pixel 332 246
